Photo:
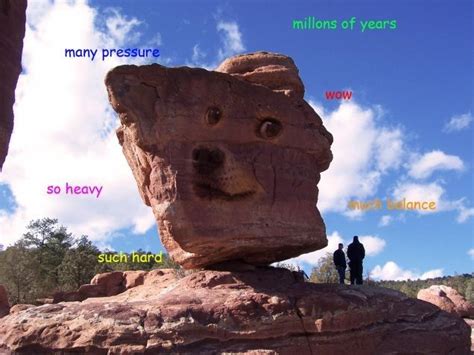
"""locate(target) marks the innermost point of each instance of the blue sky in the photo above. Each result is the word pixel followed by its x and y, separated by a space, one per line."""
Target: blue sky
pixel 407 131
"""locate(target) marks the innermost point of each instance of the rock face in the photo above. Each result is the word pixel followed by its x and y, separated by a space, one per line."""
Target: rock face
pixel 266 311
pixel 4 304
pixel 12 31
pixel 448 299
pixel 229 160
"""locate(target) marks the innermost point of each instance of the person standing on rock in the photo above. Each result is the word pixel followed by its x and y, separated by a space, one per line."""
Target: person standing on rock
pixel 356 253
pixel 339 259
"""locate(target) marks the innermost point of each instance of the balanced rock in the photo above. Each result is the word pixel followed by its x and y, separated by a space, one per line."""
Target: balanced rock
pixel 12 31
pixel 265 311
pixel 448 299
pixel 229 160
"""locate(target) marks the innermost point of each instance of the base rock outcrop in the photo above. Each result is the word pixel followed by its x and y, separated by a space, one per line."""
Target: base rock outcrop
pixel 12 31
pixel 265 311
pixel 448 299
pixel 229 160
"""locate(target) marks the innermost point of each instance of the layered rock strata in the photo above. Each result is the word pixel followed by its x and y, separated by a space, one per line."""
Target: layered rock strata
pixel 266 311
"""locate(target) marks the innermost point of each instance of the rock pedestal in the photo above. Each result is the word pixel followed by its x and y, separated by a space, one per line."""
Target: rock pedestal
pixel 265 311
pixel 12 31
pixel 229 160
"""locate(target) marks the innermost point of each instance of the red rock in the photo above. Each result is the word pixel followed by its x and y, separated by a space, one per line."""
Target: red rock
pixel 275 71
pixel 71 296
pixel 470 323
pixel 448 299
pixel 20 307
pixel 229 161
pixel 134 278
pixel 262 311
pixel 41 301
pixel 12 31
pixel 113 282
pixel 160 277
pixel 87 291
pixel 4 304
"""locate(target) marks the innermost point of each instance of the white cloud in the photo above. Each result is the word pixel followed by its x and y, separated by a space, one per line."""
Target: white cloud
pixel 373 245
pixel 431 274
pixel 385 220
pixel 358 138
pixel 156 40
pixel 470 252
pixel 312 258
pixel 231 38
pixel 464 213
pixel 365 151
pixel 421 192
pixel 422 167
pixel 389 148
pixel 122 28
pixel 198 54
pixel 432 192
pixel 64 128
pixel 458 123
pixel 391 271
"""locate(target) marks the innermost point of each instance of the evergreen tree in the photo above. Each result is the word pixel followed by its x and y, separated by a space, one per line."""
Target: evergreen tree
pixel 18 273
pixel 79 264
pixel 49 243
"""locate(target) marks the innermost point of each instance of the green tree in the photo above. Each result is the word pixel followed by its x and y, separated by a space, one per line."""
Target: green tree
pixel 18 273
pixel 79 264
pixel 324 271
pixel 49 244
pixel 469 293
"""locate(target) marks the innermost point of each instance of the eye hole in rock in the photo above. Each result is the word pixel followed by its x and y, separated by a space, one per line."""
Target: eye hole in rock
pixel 213 115
pixel 269 128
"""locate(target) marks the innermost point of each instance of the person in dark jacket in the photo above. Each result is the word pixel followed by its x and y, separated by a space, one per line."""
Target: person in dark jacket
pixel 339 259
pixel 356 253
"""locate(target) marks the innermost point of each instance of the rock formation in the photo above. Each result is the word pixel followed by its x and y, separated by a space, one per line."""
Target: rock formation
pixel 448 299
pixel 12 31
pixel 4 304
pixel 265 311
pixel 229 160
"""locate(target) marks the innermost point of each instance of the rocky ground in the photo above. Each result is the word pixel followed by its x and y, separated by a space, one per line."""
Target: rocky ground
pixel 265 311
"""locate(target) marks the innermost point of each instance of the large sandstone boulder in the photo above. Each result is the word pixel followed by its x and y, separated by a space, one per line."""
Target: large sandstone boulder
pixel 12 31
pixel 4 304
pixel 448 299
pixel 266 311
pixel 229 160
pixel 112 282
